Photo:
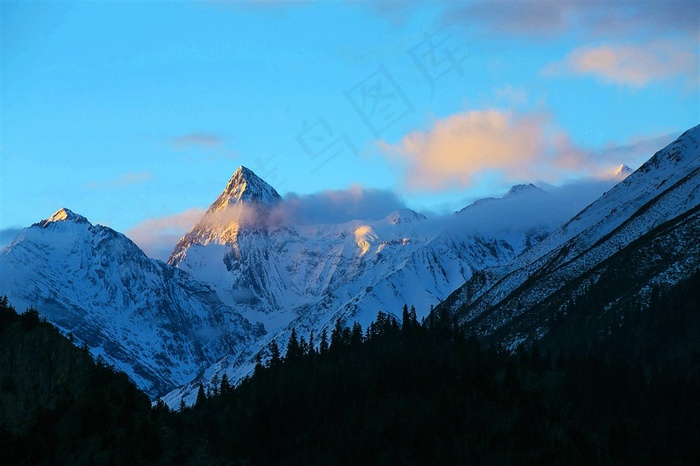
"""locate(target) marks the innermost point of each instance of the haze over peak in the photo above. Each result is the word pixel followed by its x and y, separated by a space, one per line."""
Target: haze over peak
pixel 520 189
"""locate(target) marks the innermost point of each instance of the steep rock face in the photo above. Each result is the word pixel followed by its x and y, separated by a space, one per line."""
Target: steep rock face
pixel 243 205
pixel 152 321
pixel 650 219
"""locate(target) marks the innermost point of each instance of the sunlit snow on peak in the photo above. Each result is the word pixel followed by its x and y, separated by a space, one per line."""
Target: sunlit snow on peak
pixel 364 237
pixel 63 215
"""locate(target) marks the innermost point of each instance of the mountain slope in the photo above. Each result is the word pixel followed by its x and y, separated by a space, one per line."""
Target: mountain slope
pixel 150 320
pixel 288 275
pixel 244 204
pixel 646 226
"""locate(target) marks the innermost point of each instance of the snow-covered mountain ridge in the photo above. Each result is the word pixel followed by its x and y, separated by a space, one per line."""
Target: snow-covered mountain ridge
pixel 249 272
pixel 244 203
pixel 150 320
pixel 653 209
pixel 284 275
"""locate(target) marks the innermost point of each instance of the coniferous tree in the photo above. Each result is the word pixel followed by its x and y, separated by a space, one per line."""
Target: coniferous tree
pixel 293 346
pixel 312 343
pixel 201 396
pixel 225 385
pixel 323 346
pixel 356 337
pixel 275 359
pixel 303 347
pixel 449 402
pixel 337 335
pixel 412 316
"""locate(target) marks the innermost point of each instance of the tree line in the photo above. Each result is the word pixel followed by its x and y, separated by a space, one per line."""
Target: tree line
pixel 401 391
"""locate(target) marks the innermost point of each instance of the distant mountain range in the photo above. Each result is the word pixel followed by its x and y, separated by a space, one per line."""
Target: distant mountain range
pixel 248 273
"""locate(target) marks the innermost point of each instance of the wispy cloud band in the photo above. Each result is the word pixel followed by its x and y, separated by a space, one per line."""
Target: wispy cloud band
pixel 205 140
pixel 632 65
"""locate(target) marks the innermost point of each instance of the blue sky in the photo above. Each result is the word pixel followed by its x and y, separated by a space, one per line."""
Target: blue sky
pixel 137 114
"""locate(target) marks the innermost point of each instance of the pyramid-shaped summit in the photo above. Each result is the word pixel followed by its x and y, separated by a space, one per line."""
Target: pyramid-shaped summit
pixel 245 186
pixel 63 215
pixel 622 171
pixel 245 202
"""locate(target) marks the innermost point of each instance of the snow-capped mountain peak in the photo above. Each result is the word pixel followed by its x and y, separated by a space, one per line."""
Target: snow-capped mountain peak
pixel 152 321
pixel 63 215
pixel 622 171
pixel 517 193
pixel 618 173
pixel 244 204
pixel 245 186
pixel 404 216
pixel 523 189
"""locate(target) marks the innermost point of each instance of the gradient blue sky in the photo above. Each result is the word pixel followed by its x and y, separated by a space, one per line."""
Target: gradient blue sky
pixel 137 114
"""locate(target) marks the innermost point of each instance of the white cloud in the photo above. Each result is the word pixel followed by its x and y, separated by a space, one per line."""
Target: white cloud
pixel 157 237
pixel 456 152
pixel 339 206
pixel 632 65
pixel 461 147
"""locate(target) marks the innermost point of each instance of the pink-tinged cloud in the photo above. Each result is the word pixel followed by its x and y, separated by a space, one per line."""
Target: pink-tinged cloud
pixel 157 236
pixel 458 151
pixel 604 162
pixel 633 65
pixel 127 179
pixel 461 147
pixel 196 140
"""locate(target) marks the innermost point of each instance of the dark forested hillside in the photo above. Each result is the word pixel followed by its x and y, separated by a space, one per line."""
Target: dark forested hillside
pixel 395 393
pixel 425 394
pixel 663 332
pixel 57 406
